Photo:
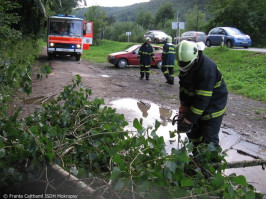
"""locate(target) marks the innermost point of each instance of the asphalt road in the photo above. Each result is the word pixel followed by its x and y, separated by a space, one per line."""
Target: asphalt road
pixel 251 49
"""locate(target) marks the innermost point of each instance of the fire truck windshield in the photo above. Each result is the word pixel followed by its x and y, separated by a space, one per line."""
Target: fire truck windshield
pixel 65 27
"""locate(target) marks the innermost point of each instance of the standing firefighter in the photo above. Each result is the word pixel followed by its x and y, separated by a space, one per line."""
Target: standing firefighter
pixel 168 57
pixel 145 55
pixel 203 94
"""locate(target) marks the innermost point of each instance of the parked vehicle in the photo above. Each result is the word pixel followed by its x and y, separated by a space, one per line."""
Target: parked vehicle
pixel 230 36
pixel 68 35
pixel 129 57
pixel 195 36
pixel 156 36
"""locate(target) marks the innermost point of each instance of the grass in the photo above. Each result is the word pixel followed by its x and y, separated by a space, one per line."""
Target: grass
pixel 100 52
pixel 244 71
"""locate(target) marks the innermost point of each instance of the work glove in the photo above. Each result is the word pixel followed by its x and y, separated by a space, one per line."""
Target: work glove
pixel 138 57
pixel 153 59
pixel 184 126
pixel 182 111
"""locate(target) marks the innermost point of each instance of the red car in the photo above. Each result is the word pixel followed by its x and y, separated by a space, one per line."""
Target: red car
pixel 129 57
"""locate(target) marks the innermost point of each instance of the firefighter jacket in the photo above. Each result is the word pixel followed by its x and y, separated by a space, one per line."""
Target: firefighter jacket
pixel 203 91
pixel 146 54
pixel 168 55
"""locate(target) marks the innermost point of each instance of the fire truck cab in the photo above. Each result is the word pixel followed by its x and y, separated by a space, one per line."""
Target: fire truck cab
pixel 68 35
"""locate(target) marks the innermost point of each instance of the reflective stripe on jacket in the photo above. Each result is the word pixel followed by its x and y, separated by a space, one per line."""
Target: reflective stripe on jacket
pixel 168 54
pixel 145 54
pixel 203 90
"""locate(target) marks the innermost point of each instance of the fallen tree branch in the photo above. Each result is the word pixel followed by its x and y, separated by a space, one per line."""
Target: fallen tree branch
pixel 79 184
pixel 247 154
pixel 245 163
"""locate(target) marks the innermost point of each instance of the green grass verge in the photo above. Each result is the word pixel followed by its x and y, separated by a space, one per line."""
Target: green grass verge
pixel 100 52
pixel 244 71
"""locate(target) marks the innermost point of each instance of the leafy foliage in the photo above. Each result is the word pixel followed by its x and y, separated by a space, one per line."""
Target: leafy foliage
pixel 165 12
pixel 16 70
pixel 145 19
pixel 7 19
pixel 88 140
pixel 117 32
pixel 99 20
pixel 248 16
pixel 195 19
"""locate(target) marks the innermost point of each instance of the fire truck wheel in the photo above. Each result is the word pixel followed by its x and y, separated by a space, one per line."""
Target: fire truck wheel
pixel 78 57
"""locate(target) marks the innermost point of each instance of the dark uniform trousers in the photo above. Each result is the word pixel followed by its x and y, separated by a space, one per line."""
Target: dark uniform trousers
pixel 168 71
pixel 145 69
pixel 206 131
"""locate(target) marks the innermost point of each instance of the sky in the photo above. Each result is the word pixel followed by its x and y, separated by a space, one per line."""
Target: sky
pixel 113 3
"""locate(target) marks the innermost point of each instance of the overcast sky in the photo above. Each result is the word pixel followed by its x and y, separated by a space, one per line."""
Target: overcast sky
pixel 113 3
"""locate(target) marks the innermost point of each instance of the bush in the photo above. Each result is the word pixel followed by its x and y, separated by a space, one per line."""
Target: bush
pixel 15 68
pixel 88 140
pixel 117 32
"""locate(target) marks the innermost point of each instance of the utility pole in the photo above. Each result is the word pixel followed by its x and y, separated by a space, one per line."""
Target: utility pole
pixel 177 30
pixel 197 19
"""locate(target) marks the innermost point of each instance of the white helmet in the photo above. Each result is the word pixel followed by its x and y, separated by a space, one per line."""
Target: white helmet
pixel 169 39
pixel 186 54
pixel 147 39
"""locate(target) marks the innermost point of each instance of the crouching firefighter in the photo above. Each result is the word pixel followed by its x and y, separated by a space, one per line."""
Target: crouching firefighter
pixel 168 57
pixel 145 55
pixel 203 94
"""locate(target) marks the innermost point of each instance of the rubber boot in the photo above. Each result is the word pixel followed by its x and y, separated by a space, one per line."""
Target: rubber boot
pixel 147 76
pixel 141 75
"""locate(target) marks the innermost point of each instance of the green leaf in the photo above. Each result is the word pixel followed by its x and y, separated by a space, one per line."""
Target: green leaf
pixel 107 127
pixel 119 185
pixel 137 124
pixel 117 159
pixel 78 79
pixel 240 180
pixel 172 134
pixel 34 129
pixel 157 125
pixel 167 173
pixel 218 181
pixel 12 131
pixel 171 165
pixel 250 195
pixel 186 182
pixel 144 187
pixel 115 173
pixel 2 153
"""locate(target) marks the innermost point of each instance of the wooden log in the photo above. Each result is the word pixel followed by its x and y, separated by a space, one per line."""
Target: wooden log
pixel 245 163
pixel 74 180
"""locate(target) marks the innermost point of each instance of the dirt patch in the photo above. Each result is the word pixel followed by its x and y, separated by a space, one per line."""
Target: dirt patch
pixel 245 116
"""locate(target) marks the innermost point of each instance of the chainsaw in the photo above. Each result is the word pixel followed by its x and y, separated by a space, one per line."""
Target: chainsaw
pixel 181 128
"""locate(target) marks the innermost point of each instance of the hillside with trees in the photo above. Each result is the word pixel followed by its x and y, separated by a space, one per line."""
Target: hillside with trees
pixel 248 16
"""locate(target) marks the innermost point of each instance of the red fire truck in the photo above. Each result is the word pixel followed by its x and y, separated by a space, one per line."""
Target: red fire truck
pixel 68 35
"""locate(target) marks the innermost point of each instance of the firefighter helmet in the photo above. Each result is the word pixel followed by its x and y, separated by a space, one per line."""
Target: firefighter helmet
pixel 186 54
pixel 169 39
pixel 147 39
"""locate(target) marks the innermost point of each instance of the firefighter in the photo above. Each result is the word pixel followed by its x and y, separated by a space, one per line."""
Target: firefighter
pixel 145 55
pixel 168 57
pixel 203 94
